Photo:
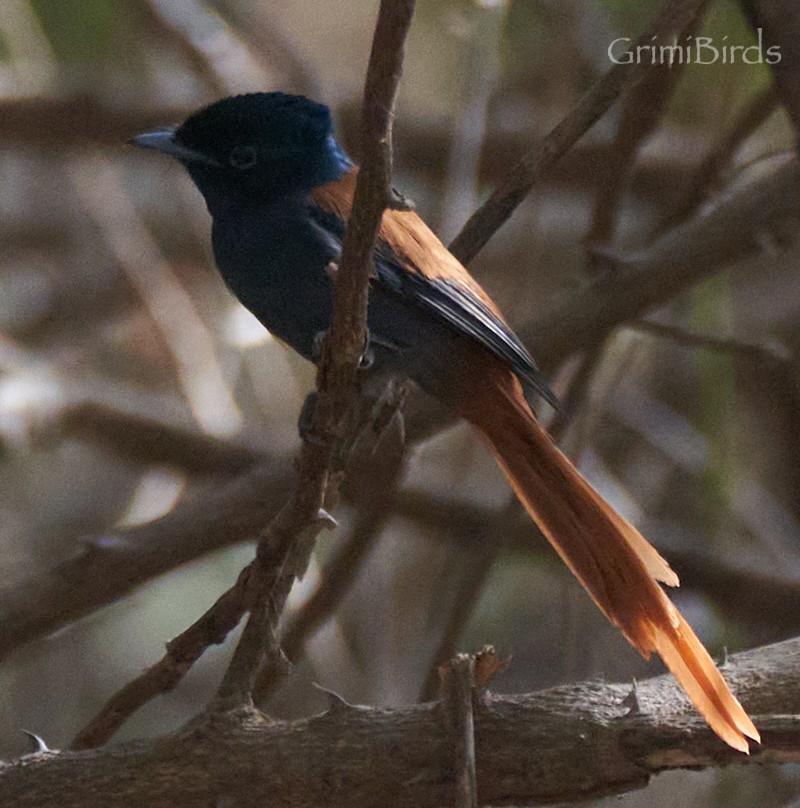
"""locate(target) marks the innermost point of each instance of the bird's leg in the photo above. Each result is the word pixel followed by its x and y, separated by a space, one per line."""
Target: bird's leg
pixel 365 363
pixel 316 346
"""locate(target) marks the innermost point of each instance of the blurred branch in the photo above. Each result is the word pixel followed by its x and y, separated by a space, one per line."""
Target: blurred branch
pixel 722 235
pixel 142 440
pixel 708 174
pixel 519 181
pixel 478 70
pixel 777 25
pixel 713 240
pixel 567 744
pixel 641 111
pixel 161 20
pixel 772 603
pixel 85 120
pixel 77 122
pixel 263 35
pixel 221 59
pixel 480 559
pixel 170 306
pixel 577 392
pixel 109 566
pixel 752 352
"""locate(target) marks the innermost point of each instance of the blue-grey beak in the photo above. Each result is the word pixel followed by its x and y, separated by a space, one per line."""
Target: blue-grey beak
pixel 164 140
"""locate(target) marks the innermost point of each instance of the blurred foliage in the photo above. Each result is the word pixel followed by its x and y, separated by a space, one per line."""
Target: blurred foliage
pixel 84 30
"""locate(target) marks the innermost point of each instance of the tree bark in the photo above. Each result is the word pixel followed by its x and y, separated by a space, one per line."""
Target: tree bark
pixel 570 743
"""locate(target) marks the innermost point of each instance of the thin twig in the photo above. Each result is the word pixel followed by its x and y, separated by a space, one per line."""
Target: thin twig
pixel 532 167
pixel 480 562
pixel 642 110
pixel 750 351
pixel 457 685
pixel 708 173
pixel 182 652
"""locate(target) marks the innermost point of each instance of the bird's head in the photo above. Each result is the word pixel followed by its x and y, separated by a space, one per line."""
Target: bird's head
pixel 257 146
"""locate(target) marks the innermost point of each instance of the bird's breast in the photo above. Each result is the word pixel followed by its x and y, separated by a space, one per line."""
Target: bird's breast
pixel 275 266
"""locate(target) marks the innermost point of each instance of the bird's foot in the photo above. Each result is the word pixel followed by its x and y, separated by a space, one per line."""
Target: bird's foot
pixel 367 359
pixel 305 422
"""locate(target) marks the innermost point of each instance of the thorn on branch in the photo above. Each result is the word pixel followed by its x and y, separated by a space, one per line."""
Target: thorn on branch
pixel 336 703
pixel 37 744
pixel 325 521
pixel 631 701
pixel 398 201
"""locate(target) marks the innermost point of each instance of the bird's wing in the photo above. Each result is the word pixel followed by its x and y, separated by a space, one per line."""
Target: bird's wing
pixel 411 260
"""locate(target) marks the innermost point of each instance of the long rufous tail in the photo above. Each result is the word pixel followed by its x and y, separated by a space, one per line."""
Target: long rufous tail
pixel 613 561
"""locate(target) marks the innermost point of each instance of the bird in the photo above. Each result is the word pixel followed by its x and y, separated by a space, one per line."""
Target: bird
pixel 279 188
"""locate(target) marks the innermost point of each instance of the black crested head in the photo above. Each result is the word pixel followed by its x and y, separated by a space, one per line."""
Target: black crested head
pixel 276 124
pixel 256 146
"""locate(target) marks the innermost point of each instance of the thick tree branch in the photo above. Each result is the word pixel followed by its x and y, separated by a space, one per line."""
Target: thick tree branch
pixel 571 743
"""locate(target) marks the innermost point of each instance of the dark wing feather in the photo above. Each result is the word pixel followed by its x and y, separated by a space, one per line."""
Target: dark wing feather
pixel 469 315
pixel 410 260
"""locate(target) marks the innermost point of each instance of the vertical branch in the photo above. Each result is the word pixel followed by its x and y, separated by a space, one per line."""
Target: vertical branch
pixel 457 684
pixel 349 327
pixel 344 345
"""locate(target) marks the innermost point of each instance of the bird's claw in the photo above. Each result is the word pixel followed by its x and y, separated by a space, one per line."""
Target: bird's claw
pixel 316 346
pixel 398 201
pixel 367 359
pixel 306 419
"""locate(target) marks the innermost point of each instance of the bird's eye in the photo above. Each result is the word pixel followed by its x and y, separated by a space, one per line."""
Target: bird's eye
pixel 243 157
